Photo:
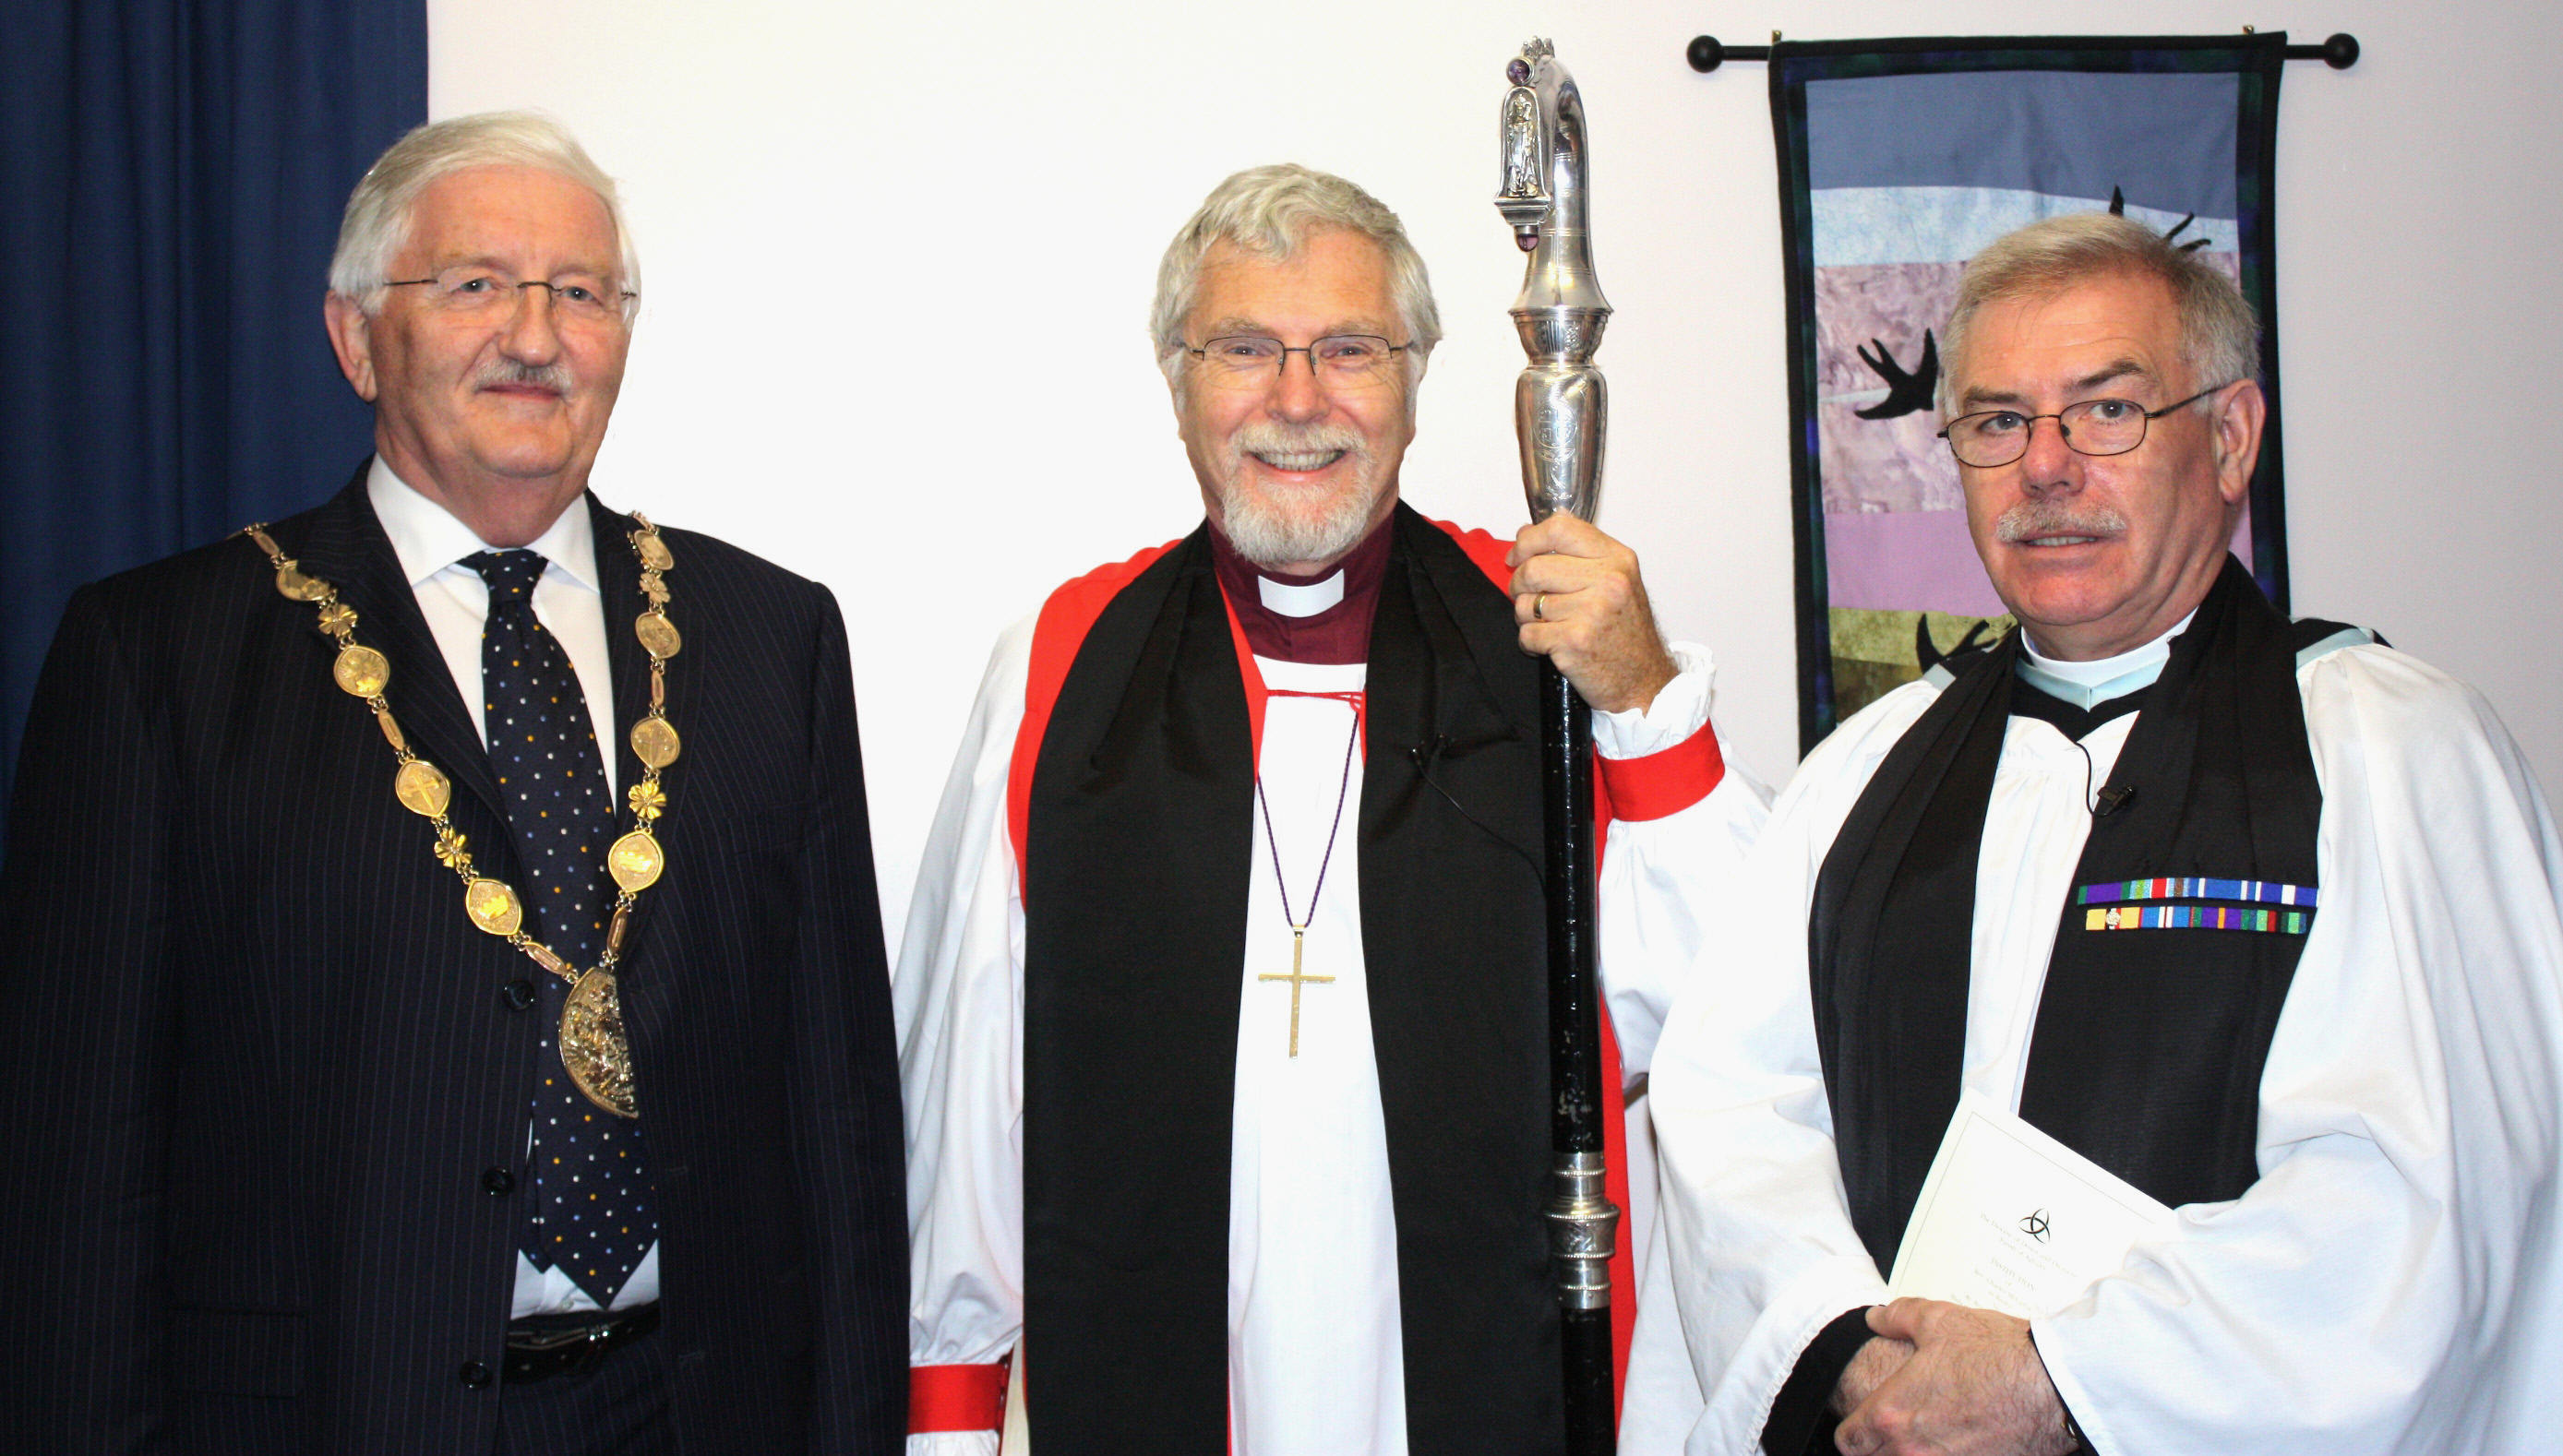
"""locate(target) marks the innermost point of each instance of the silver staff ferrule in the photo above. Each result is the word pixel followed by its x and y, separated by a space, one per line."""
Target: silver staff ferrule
pixel 1559 404
pixel 1583 1231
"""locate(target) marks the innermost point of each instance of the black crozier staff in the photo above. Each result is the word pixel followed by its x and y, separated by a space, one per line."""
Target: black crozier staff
pixel 1560 408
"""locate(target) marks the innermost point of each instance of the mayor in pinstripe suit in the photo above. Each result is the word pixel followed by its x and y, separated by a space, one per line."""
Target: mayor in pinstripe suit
pixel 292 1158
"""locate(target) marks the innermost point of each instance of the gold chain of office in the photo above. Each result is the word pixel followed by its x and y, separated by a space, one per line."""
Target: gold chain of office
pixel 593 1046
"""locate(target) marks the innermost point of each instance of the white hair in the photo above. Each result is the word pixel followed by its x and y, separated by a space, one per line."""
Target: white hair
pixel 382 210
pixel 2219 335
pixel 1270 212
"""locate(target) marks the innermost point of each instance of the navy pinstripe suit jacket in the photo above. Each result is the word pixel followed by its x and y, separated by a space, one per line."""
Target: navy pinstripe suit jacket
pixel 254 1061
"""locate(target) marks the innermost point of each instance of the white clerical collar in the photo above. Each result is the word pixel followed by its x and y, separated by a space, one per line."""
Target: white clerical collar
pixel 1307 601
pixel 2089 685
pixel 428 538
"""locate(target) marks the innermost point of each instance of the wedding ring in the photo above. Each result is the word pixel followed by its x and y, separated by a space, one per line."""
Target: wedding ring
pixel 1540 607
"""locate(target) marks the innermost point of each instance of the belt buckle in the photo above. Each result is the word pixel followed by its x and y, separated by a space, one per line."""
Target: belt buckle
pixel 548 1342
pixel 569 1352
pixel 592 1347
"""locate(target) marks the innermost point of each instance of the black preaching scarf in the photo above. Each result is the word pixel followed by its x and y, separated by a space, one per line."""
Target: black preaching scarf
pixel 1136 868
pixel 2147 1052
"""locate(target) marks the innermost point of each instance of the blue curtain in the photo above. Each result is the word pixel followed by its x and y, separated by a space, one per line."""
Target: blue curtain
pixel 171 174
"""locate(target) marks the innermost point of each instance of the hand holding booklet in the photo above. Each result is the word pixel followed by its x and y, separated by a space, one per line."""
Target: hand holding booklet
pixel 2012 1220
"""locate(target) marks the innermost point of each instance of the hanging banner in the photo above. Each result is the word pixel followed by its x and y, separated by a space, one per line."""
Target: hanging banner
pixel 1898 160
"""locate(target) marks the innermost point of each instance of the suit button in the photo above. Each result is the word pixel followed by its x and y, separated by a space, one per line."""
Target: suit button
pixel 475 1374
pixel 518 993
pixel 496 1181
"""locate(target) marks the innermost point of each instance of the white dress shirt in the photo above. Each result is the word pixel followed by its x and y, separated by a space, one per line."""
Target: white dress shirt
pixel 431 544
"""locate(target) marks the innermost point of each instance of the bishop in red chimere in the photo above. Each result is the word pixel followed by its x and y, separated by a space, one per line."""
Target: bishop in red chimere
pixel 1223 1001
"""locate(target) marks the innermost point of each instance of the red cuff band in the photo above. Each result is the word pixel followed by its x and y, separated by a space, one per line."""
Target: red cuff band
pixel 955 1397
pixel 1665 783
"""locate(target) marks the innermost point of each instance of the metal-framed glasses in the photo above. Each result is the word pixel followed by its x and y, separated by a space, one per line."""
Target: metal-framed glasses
pixel 1337 361
pixel 473 290
pixel 1990 437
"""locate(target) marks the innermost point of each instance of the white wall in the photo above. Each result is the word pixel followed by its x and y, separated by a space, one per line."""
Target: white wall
pixel 845 208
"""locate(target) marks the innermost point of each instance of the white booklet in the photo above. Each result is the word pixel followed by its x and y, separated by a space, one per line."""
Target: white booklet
pixel 2012 1220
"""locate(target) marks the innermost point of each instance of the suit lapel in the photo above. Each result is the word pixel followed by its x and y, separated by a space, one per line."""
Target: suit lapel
pixel 643 979
pixel 347 548
pixel 618 586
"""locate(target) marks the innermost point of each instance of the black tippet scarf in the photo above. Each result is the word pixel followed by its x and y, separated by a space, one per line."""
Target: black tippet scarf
pixel 2148 1049
pixel 1136 868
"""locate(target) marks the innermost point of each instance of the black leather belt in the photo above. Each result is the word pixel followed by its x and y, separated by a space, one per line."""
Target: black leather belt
pixel 543 1346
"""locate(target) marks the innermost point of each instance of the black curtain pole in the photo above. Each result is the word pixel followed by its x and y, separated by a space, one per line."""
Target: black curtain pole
pixel 1707 53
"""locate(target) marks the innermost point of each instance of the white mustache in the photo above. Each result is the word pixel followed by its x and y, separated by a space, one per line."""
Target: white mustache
pixel 554 377
pixel 1282 437
pixel 2053 518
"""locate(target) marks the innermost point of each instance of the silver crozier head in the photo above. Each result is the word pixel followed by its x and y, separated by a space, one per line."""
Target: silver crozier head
pixel 1558 405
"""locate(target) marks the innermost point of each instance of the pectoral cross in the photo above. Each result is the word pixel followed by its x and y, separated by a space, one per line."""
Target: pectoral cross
pixel 1298 978
pixel 1300 928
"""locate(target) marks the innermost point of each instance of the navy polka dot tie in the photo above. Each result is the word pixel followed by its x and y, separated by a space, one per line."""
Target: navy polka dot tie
pixel 591 1212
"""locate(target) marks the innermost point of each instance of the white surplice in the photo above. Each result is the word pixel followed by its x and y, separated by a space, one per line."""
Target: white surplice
pixel 1314 1322
pixel 2394 1281
pixel 1312 1301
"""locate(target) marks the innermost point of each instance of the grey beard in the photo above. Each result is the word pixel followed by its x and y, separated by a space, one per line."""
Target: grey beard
pixel 1267 533
pixel 2051 518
